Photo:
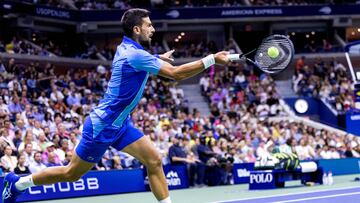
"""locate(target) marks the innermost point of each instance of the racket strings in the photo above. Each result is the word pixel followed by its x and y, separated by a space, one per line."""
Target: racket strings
pixel 276 64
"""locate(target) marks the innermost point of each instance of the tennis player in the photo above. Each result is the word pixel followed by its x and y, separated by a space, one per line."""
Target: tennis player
pixel 109 124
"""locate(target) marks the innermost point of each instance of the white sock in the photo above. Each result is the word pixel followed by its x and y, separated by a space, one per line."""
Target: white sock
pixel 24 183
pixel 166 200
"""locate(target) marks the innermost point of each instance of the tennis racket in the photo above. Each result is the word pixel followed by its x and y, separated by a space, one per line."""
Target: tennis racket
pixel 272 56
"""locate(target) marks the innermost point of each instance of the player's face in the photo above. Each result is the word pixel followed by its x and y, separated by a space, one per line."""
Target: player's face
pixel 146 30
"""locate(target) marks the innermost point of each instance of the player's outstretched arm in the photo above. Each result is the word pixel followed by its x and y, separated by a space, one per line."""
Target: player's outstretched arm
pixel 190 69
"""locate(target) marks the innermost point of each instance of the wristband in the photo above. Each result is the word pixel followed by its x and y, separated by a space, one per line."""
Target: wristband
pixel 208 61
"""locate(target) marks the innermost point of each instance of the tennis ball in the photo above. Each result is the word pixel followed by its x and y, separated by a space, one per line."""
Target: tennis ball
pixel 273 52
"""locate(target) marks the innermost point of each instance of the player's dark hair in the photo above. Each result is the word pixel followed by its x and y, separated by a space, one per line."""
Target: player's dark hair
pixel 133 17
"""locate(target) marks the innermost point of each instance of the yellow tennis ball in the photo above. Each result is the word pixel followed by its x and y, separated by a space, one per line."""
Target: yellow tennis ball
pixel 273 52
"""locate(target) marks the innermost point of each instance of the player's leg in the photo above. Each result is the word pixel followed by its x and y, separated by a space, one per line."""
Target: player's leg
pixel 70 173
pixel 15 185
pixel 87 154
pixel 133 142
pixel 146 153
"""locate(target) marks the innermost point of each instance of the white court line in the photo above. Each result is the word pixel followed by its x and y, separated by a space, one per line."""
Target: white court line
pixel 322 197
pixel 295 193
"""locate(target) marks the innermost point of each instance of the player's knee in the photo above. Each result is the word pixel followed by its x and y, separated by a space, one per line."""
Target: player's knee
pixel 154 163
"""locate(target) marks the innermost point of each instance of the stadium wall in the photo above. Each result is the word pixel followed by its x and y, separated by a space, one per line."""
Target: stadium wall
pixel 316 107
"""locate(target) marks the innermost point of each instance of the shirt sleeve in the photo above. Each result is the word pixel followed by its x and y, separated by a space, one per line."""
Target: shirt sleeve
pixel 142 60
pixel 171 153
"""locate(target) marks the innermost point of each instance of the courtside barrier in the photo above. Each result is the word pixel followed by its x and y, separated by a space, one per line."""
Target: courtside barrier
pixel 93 183
pixel 341 166
pixel 176 177
pixel 126 181
pixel 241 172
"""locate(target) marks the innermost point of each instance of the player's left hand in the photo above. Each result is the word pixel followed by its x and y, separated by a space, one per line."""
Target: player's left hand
pixel 167 56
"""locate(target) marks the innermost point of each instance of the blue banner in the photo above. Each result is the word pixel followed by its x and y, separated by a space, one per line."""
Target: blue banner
pixel 51 12
pixel 357 95
pixel 93 183
pixel 241 172
pixel 176 177
pixel 262 180
pixel 357 91
pixel 315 107
pixel 182 13
pixel 353 121
pixel 228 12
pixel 341 166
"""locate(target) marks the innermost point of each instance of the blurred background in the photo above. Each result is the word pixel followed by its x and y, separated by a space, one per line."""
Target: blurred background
pixel 55 62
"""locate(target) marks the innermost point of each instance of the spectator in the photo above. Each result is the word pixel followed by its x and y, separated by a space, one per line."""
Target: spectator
pixel 29 139
pixel 5 137
pixel 37 129
pixel 52 160
pixel 42 141
pixel 325 153
pixel 14 106
pixel 21 168
pixel 68 157
pixel 205 154
pixel 250 156
pixel 50 148
pixel 18 139
pixel 36 165
pixel 74 140
pixel 4 107
pixel 304 151
pixel 204 83
pixel 64 148
pixel 28 154
pixel 261 150
pixel 20 126
pixel 178 156
pixel 8 161
pixel 116 163
pixel 334 154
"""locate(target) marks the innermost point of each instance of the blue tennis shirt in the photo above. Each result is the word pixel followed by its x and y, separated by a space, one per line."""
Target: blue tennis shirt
pixel 130 71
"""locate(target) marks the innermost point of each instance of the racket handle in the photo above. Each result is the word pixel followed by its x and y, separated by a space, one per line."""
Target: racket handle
pixel 234 57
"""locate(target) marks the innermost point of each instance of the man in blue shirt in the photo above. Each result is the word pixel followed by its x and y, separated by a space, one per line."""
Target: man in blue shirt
pixel 109 124
pixel 178 156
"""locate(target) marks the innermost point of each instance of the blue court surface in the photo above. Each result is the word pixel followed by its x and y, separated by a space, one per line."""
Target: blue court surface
pixel 347 195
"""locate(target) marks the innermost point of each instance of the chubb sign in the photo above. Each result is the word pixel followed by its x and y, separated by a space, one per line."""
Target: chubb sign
pixel 261 178
pixel 92 183
pixel 80 185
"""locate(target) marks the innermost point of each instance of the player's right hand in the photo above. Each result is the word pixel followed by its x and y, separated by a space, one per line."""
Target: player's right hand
pixel 222 57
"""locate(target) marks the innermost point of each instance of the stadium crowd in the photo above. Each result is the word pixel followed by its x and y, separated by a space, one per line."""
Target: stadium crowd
pixel 328 81
pixel 88 50
pixel 46 47
pixel 319 45
pixel 42 111
pixel 16 46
